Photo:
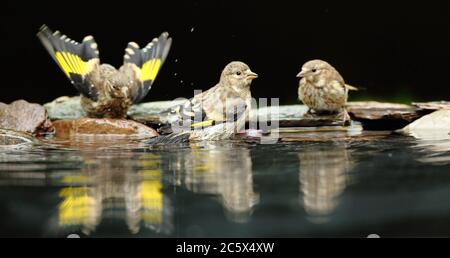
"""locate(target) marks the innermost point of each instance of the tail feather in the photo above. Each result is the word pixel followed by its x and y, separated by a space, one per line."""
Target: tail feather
pixel 350 87
pixel 76 60
pixel 147 62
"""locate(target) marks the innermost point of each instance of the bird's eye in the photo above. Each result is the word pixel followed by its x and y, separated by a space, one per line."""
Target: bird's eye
pixel 314 70
pixel 238 73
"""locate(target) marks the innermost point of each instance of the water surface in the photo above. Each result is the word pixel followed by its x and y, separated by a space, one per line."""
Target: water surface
pixel 396 186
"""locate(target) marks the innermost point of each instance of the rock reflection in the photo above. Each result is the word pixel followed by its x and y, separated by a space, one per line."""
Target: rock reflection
pixel 434 146
pixel 116 187
pixel 323 177
pixel 224 171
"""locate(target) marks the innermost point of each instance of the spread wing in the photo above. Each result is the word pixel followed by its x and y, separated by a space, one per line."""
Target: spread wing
pixel 188 115
pixel 146 63
pixel 207 109
pixel 76 60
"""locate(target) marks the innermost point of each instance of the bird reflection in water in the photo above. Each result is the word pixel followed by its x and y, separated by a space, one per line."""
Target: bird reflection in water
pixel 323 175
pixel 222 170
pixel 116 187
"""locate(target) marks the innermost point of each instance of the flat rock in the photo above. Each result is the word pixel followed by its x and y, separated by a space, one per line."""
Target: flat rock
pixel 433 106
pixel 285 112
pixel 69 108
pixel 354 132
pixel 383 116
pixel 25 117
pixel 153 108
pixel 321 133
pixel 102 127
pixel 148 113
pixel 12 138
pixel 372 110
pixel 373 115
pixel 433 126
pixel 337 137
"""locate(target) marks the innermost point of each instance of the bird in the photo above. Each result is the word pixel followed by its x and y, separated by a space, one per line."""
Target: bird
pixel 106 92
pixel 323 89
pixel 215 114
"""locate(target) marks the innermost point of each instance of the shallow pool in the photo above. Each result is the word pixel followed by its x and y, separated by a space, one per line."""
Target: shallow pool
pixel 396 186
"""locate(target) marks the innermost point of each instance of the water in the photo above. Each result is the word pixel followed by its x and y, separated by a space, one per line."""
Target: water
pixel 396 186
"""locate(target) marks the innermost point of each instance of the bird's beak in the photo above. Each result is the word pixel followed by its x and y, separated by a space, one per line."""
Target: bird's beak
pixel 302 73
pixel 251 75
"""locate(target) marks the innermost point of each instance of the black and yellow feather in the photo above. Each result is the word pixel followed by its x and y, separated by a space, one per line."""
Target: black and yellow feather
pixel 148 62
pixel 76 60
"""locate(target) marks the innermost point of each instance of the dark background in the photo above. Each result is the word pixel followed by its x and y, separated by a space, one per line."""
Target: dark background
pixel 395 50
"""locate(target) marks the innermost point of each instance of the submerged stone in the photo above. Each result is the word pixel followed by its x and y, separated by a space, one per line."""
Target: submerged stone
pixel 25 117
pixel 102 127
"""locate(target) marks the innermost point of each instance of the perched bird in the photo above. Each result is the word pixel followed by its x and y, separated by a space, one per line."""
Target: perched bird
pixel 323 89
pixel 106 91
pixel 215 114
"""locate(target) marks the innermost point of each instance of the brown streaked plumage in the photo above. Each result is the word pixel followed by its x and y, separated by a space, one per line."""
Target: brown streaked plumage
pixel 322 88
pixel 105 90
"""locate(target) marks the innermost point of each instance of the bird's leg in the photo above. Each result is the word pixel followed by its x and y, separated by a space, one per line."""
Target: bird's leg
pixel 309 114
pixel 344 117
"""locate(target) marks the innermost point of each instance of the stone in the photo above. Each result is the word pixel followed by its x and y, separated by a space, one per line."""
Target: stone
pixel 102 127
pixel 433 106
pixel 373 115
pixel 12 138
pixel 25 117
pixel 434 126
pixel 383 116
pixel 372 110
pixel 148 113
pixel 64 108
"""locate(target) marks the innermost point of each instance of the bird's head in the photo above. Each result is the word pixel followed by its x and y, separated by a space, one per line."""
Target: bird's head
pixel 237 74
pixel 312 70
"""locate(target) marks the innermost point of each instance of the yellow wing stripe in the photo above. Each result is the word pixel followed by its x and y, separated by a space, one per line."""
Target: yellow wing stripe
pixel 203 124
pixel 63 63
pixel 76 60
pixel 76 64
pixel 71 63
pixel 150 69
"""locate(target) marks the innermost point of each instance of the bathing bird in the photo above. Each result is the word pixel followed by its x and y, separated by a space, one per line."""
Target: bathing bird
pixel 323 89
pixel 215 114
pixel 106 91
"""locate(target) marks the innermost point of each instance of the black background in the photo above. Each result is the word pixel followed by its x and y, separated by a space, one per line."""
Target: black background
pixel 393 49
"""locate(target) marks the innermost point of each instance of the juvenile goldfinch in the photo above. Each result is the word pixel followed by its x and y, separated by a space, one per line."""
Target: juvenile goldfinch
pixel 106 91
pixel 323 89
pixel 217 113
